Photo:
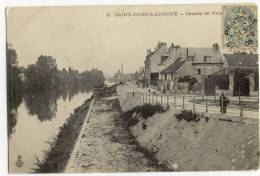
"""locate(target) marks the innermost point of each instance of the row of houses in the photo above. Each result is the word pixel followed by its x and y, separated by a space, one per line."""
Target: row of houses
pixel 176 69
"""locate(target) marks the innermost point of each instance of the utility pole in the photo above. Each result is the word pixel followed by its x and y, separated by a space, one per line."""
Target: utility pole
pixel 239 86
pixel 239 75
pixel 204 74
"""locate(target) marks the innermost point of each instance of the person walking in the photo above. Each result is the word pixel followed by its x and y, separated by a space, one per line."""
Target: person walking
pixel 223 101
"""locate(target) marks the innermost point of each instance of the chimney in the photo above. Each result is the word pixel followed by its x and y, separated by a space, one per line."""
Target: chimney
pixel 148 51
pixel 216 46
pixel 160 44
pixel 187 52
pixel 122 71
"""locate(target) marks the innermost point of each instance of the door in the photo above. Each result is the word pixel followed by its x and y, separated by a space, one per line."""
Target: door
pixel 241 83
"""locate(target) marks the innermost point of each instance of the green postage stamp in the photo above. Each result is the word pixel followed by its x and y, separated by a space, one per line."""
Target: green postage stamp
pixel 240 28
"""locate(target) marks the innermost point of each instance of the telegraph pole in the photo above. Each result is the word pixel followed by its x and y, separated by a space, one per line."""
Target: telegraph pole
pixel 239 75
pixel 203 78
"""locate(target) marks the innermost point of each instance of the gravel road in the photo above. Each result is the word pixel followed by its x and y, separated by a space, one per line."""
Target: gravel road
pixel 106 144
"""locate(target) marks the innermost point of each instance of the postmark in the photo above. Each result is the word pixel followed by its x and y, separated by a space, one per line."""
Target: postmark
pixel 240 29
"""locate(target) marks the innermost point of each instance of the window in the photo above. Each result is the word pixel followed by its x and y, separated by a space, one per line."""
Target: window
pixel 205 59
pixel 168 87
pixel 199 71
pixel 172 76
pixel 256 81
pixel 154 76
pixel 165 76
pixel 163 58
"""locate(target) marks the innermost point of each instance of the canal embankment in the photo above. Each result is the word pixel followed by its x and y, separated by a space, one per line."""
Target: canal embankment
pixel 58 155
pixel 200 144
pixel 106 144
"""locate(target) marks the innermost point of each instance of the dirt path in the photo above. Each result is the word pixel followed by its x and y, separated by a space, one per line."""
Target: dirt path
pixel 106 145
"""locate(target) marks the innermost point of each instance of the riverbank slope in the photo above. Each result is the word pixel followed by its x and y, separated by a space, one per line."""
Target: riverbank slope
pixel 56 158
pixel 219 143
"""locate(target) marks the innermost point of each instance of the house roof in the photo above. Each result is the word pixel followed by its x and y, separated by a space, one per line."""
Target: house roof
pixel 198 54
pixel 141 70
pixel 150 55
pixel 232 70
pixel 159 45
pixel 241 60
pixel 175 66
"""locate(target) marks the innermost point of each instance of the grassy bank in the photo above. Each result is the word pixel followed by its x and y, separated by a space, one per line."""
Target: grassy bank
pixel 132 117
pixel 188 141
pixel 124 121
pixel 55 160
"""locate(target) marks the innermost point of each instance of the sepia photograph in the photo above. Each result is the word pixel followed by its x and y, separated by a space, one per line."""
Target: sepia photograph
pixel 132 88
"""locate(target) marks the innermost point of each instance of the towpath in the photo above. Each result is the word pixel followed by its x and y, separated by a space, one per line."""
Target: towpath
pixel 105 144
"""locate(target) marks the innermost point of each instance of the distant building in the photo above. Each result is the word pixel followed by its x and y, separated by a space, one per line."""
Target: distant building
pixel 194 70
pixel 169 76
pixel 139 77
pixel 117 74
pixel 141 74
pixel 176 62
pixel 153 63
pixel 120 76
pixel 190 67
pixel 239 75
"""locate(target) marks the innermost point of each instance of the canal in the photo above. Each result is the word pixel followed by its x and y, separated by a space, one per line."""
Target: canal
pixel 37 121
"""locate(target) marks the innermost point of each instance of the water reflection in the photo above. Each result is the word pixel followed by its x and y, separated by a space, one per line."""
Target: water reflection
pixel 42 104
pixel 12 111
pixel 43 113
pixel 12 119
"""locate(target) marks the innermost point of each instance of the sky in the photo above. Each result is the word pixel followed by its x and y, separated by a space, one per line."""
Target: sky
pixel 85 37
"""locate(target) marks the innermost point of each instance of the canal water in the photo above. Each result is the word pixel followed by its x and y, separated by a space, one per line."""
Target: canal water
pixel 38 119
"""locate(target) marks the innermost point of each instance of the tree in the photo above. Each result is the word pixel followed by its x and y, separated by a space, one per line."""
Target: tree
pixel 93 78
pixel 14 87
pixel 42 75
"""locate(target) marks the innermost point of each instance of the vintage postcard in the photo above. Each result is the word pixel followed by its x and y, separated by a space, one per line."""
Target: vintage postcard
pixel 140 88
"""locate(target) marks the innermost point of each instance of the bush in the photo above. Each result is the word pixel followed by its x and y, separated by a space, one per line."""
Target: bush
pixel 189 80
pixel 144 111
pixel 189 115
pixel 144 126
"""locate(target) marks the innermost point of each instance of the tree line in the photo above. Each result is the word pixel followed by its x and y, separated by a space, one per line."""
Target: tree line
pixel 43 77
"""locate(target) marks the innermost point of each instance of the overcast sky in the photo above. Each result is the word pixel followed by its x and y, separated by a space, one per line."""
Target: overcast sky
pixel 90 39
